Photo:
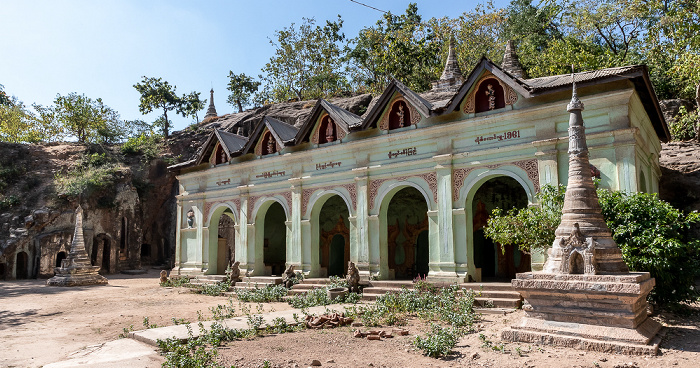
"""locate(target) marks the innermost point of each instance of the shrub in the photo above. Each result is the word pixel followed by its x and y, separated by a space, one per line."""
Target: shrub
pixel 684 128
pixel 91 173
pixel 439 341
pixel 148 144
pixel 652 235
pixel 265 294
pixel 176 282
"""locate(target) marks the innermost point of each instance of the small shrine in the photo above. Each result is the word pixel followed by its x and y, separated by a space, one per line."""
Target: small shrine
pixel 76 269
pixel 585 297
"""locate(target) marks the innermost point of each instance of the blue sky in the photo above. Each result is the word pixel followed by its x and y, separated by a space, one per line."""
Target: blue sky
pixel 102 48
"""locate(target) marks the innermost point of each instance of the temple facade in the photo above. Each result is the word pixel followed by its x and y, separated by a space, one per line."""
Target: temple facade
pixel 404 190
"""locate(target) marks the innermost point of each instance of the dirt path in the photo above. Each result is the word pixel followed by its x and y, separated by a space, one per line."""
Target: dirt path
pixel 41 324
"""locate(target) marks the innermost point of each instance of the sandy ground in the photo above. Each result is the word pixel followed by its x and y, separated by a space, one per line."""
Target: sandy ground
pixel 337 348
pixel 41 324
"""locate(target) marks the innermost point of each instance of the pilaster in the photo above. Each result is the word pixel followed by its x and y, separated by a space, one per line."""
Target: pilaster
pixel 360 247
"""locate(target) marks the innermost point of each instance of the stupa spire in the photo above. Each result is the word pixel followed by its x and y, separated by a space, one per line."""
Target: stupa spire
pixel 511 63
pixel 583 241
pixel 211 111
pixel 451 77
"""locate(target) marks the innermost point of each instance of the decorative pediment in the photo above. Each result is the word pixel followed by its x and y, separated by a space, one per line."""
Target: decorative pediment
pixel 326 130
pixel 399 113
pixel 267 144
pixel 489 93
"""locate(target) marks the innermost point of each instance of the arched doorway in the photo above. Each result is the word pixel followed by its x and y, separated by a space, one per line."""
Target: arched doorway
pixel 106 255
pixel 226 242
pixel 334 236
pixel 274 240
pixel 22 266
pixel 406 219
pixel 222 236
pixel 59 258
pixel 495 263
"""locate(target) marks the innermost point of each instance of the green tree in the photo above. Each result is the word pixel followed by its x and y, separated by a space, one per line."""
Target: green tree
pixel 477 33
pixel 157 94
pixel 307 61
pixel 652 235
pixel 4 98
pixel 87 119
pixel 398 46
pixel 242 88
pixel 19 125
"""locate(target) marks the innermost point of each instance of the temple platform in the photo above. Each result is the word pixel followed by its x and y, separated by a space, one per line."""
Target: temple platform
pixel 606 313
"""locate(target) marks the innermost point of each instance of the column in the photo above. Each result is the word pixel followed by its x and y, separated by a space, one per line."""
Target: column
pixel 360 253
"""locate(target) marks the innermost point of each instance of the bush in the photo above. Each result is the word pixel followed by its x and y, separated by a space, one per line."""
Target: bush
pixel 149 144
pixel 91 173
pixel 266 294
pixel 652 235
pixel 684 128
pixel 439 341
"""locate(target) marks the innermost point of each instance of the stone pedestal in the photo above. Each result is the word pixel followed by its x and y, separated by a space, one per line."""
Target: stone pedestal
pixel 606 313
pixel 76 270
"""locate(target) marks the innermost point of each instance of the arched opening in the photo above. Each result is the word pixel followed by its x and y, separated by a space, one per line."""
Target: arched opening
pixel 268 144
pixel 22 266
pixel 3 271
pixel 225 242
pixel 642 182
pixel 106 255
pixel 220 155
pixel 399 115
pixel 406 219
pixel 505 193
pixel 146 253
pixel 422 254
pixel 221 240
pixel 334 236
pixel 576 266
pixel 59 258
pixel 274 239
pixel 489 96
pixel 327 131
pixel 123 241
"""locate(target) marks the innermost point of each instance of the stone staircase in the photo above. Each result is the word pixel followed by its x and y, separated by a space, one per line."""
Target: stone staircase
pixel 207 279
pixel 491 294
pixel 308 284
pixel 257 281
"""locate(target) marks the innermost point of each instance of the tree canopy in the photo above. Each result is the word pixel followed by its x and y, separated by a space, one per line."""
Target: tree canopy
pixel 242 88
pixel 157 94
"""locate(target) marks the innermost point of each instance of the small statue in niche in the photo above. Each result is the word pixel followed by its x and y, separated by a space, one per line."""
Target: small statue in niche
pixel 491 93
pixel 330 131
pixel 270 145
pixel 401 114
pixel 288 277
pixel 353 278
pixel 190 218
pixel 234 273
pixel 222 157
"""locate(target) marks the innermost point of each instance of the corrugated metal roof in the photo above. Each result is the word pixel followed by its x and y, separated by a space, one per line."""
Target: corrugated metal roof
pixel 232 142
pixel 556 81
pixel 341 117
pixel 283 131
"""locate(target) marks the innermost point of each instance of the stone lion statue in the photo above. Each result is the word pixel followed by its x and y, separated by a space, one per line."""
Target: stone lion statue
pixel 288 277
pixel 353 278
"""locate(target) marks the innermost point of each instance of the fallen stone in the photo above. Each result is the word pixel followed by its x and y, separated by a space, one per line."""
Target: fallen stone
pixel 316 363
pixel 373 337
pixel 475 356
pixel 357 324
pixel 330 361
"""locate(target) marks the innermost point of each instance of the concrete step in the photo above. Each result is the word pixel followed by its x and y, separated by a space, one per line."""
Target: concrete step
pixel 488 286
pixel 267 280
pixel 498 302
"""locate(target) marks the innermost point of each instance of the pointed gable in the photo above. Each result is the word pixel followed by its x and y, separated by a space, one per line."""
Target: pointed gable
pixel 220 147
pixel 270 136
pixel 504 91
pixel 394 104
pixel 326 123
